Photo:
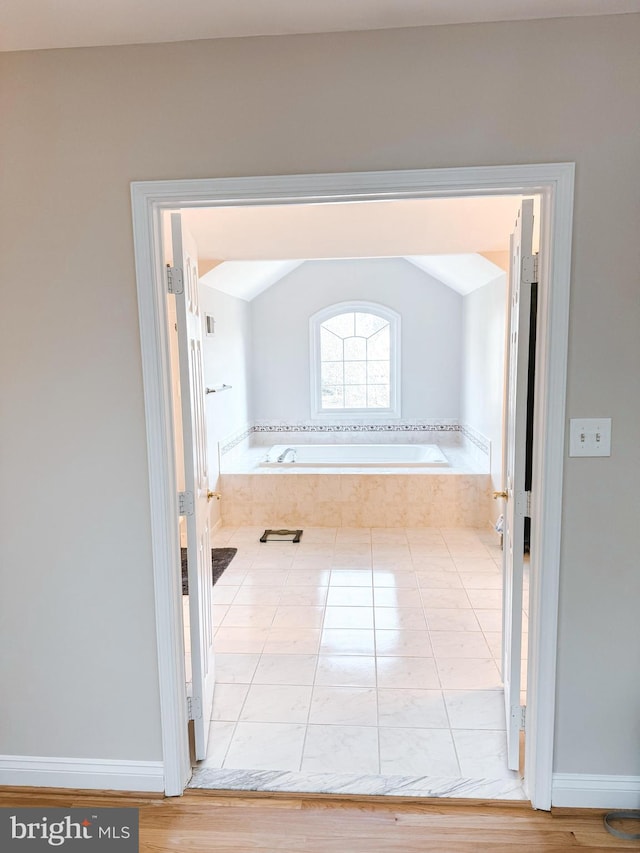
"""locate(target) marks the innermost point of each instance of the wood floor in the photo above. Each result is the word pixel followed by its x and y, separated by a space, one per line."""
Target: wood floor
pixel 202 822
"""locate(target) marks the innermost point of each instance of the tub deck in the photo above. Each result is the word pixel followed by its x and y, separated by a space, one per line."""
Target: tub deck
pixel 354 456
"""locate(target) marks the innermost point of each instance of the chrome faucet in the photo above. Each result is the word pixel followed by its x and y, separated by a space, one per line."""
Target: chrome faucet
pixel 283 455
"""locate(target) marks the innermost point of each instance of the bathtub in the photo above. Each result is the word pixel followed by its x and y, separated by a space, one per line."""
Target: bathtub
pixel 355 455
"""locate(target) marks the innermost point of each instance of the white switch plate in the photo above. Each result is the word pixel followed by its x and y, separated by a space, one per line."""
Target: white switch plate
pixel 590 437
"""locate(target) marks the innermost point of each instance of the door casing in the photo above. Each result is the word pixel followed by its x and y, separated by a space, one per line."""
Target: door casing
pixel 555 184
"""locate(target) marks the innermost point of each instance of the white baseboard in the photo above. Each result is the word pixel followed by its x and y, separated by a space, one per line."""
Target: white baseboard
pixel 103 774
pixel 579 790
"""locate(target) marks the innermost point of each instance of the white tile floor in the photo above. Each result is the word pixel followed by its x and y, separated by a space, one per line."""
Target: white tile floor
pixel 360 651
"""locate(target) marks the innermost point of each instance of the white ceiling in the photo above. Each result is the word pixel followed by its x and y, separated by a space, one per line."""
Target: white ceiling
pixel 245 250
pixel 356 230
pixel 35 24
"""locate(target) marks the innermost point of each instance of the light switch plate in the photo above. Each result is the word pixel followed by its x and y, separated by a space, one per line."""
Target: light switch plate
pixel 590 437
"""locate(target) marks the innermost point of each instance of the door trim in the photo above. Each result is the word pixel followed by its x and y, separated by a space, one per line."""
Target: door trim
pixel 555 183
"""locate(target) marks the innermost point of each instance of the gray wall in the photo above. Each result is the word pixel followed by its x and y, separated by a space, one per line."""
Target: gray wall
pixel 79 125
pixel 430 313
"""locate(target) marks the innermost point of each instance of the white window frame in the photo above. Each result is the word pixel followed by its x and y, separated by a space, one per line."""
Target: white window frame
pixel 315 322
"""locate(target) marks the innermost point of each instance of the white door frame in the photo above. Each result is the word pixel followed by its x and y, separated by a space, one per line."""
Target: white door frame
pixel 554 182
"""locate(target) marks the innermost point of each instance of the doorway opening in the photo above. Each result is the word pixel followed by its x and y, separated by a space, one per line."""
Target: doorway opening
pixel 375 647
pixel 553 191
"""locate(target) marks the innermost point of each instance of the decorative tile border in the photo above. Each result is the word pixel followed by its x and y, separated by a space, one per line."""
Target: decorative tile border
pixel 427 426
pixel 475 437
pixel 235 439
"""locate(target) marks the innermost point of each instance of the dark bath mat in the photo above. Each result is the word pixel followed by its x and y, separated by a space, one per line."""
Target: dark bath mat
pixel 220 559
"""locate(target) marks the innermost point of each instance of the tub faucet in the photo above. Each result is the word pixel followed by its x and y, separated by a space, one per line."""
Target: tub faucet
pixel 283 455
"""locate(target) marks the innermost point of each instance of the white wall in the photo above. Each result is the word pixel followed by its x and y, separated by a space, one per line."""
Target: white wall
pixel 227 361
pixel 483 318
pixel 79 125
pixel 431 331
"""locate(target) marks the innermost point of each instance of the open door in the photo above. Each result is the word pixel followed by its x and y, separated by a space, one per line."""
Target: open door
pixel 183 282
pixel 522 275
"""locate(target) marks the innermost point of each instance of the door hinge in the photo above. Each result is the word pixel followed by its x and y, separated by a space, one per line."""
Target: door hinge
pixel 194 708
pixel 175 280
pixel 523 505
pixel 519 715
pixel 185 503
pixel 529 270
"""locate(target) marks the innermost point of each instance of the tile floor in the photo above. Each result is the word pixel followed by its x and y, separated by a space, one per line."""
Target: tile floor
pixel 370 651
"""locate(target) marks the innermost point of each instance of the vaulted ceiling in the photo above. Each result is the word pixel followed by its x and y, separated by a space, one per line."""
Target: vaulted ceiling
pixel 354 230
pixel 248 279
pixel 462 242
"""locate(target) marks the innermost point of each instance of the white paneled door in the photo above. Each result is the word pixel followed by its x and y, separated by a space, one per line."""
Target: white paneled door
pixel 194 499
pixel 522 275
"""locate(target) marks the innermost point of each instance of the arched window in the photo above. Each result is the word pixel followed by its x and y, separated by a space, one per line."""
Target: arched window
pixel 355 360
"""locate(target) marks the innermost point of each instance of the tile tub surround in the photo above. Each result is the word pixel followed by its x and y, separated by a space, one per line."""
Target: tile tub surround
pixel 312 432
pixel 361 661
pixel 341 499
pixel 234 445
pixel 444 432
pixel 476 446
pixel 277 499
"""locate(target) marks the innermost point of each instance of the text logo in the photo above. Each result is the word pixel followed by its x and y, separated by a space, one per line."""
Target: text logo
pixel 105 830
